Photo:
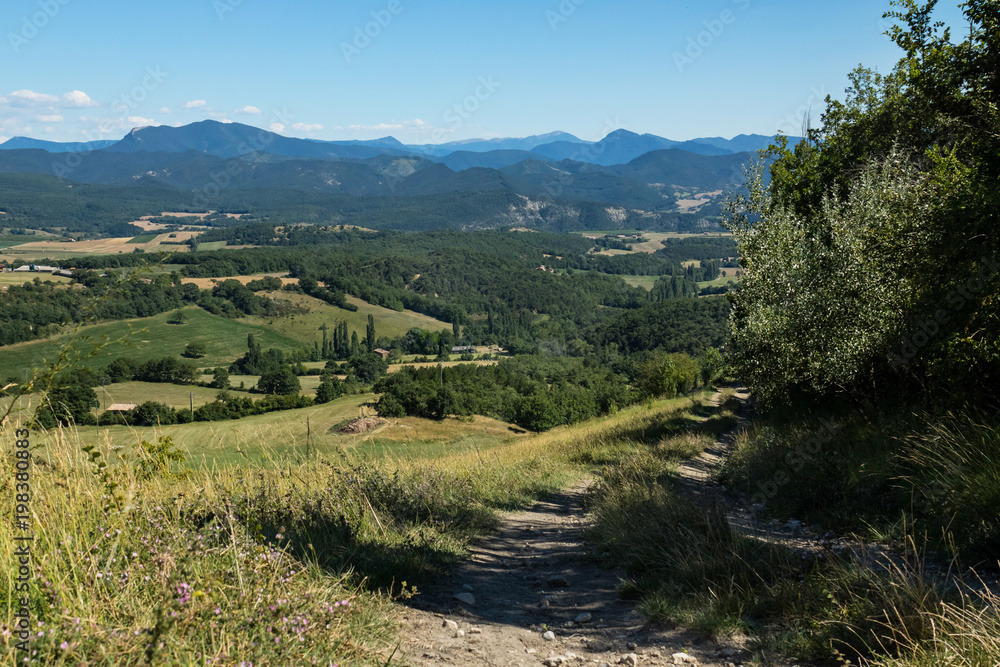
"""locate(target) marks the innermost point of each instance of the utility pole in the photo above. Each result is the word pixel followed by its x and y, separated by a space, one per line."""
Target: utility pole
pixel 191 402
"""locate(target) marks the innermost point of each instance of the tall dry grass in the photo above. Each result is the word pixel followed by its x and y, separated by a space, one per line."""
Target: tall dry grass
pixel 127 570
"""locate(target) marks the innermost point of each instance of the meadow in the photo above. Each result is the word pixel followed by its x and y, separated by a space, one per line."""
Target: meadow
pixel 654 240
pixel 147 338
pixel 218 543
pixel 21 277
pixel 305 327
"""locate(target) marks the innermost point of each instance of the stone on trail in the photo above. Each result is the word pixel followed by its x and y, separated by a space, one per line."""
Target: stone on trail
pixel 684 659
pixel 585 617
pixel 451 625
pixel 467 598
pixel 629 659
pixel 549 636
pixel 558 582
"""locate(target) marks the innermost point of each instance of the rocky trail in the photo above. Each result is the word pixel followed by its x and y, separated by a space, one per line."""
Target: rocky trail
pixel 530 596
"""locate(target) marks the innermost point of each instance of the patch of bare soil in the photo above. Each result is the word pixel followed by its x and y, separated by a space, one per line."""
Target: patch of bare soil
pixel 531 595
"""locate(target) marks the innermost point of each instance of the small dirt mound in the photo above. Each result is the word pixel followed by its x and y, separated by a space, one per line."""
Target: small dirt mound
pixel 362 425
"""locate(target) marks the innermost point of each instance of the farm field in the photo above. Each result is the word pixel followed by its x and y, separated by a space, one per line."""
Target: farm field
pixel 309 383
pixel 209 283
pixel 654 239
pixel 8 240
pixel 213 245
pixel 276 436
pixel 305 328
pixel 395 368
pixel 68 250
pixel 645 282
pixel 720 282
pixel 224 339
pixel 174 395
pixel 21 277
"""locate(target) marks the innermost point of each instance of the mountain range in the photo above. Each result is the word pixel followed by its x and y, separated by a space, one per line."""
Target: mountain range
pixel 235 139
pixel 642 174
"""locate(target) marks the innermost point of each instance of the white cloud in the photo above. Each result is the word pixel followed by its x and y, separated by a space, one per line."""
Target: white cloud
pixel 277 128
pixel 416 123
pixel 164 110
pixel 140 121
pixel 50 130
pixel 376 128
pixel 22 97
pixel 53 118
pixel 195 104
pixel 3 138
pixel 27 98
pixel 225 121
pixel 78 98
pixel 307 127
pixel 249 110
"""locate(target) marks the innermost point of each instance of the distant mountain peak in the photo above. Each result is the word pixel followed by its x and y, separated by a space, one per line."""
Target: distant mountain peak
pixel 623 133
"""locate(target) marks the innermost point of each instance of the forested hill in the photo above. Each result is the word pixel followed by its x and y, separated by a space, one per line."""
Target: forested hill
pixel 45 202
pixel 491 277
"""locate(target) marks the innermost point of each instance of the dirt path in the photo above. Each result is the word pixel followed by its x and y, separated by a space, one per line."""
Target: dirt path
pixel 534 577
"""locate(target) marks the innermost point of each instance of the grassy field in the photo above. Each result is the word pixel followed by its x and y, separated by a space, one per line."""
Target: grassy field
pixel 291 527
pixel 276 436
pixel 224 339
pixel 8 240
pixel 654 240
pixel 174 395
pixel 645 282
pixel 34 249
pixel 719 282
pixel 212 245
pixel 21 277
pixel 143 238
pixel 305 328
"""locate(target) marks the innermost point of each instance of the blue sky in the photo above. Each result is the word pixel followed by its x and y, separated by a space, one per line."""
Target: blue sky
pixel 429 71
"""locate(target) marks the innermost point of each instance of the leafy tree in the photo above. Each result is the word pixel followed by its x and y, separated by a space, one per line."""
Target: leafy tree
pixel 152 413
pixel 178 317
pixel 330 388
pixel 668 374
pixel 871 257
pixel 368 367
pixel 355 345
pixel 220 378
pixel 166 369
pixel 370 334
pixel 280 381
pixel 121 369
pixel 68 404
pixel 195 350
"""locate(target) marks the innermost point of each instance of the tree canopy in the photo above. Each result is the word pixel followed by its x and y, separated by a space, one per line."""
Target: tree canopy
pixel 871 257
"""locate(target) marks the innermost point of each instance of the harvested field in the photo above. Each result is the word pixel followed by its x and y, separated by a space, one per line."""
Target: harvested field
pixel 209 283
